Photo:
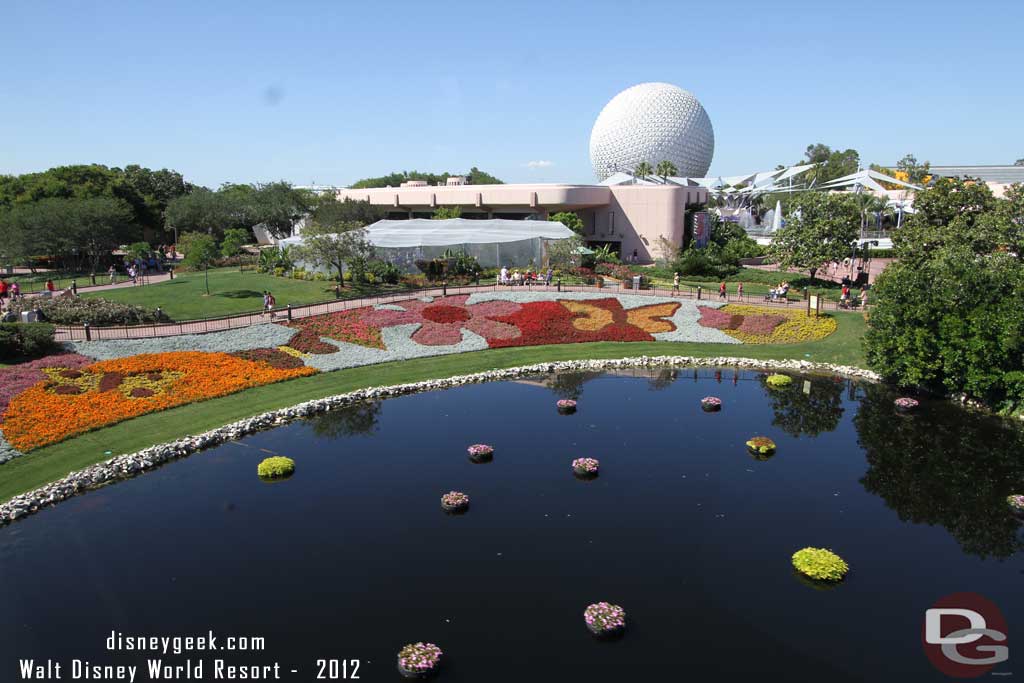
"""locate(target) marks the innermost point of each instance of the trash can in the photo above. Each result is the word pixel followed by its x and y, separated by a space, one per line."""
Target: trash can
pixel 636 282
pixel 28 316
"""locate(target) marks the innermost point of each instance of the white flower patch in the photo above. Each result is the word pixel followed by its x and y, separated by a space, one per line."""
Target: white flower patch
pixel 388 307
pixel 228 341
pixel 398 346
pixel 7 451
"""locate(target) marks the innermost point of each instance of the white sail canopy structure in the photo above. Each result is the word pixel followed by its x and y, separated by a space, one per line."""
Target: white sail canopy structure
pixel 492 242
pixel 867 178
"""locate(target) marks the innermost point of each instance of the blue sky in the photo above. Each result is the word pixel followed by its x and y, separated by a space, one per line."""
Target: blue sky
pixel 330 92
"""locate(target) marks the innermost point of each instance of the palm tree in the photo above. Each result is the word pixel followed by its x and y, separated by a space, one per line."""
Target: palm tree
pixel 642 170
pixel 868 203
pixel 667 168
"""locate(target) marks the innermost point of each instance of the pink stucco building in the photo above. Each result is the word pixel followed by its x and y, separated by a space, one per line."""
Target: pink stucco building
pixel 631 217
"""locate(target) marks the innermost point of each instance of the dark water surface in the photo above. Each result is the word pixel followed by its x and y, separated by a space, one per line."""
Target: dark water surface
pixel 352 557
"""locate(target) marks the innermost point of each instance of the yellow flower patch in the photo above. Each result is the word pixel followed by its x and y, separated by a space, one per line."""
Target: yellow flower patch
pixel 796 327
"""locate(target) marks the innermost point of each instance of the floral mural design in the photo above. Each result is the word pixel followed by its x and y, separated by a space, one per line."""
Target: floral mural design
pixel 442 321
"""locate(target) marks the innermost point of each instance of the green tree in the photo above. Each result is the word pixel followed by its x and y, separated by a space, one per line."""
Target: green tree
pixel 642 170
pixel 819 229
pixel 335 246
pixel 948 213
pixel 329 211
pixel 200 251
pixel 445 212
pixel 234 240
pixel 798 413
pixel 569 219
pixel 915 171
pixel 213 212
pixel 474 177
pixel 667 168
pixel 830 164
pixel 565 255
pixel 277 207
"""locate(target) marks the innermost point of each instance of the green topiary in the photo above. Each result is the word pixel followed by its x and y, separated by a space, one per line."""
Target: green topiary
pixel 779 380
pixel 276 467
pixel 820 564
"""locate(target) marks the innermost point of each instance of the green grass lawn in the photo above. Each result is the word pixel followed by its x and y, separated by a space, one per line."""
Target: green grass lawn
pixel 231 291
pixel 53 462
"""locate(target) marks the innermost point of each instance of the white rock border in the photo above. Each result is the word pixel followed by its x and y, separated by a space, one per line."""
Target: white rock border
pixel 130 465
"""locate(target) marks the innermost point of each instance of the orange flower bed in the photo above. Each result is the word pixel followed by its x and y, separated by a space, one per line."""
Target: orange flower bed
pixel 115 390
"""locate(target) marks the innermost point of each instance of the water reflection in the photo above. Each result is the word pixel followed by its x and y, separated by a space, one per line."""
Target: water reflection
pixel 360 418
pixel 806 407
pixel 569 384
pixel 944 466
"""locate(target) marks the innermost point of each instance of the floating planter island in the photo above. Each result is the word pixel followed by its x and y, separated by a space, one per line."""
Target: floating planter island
pixel 419 660
pixel 820 564
pixel 455 501
pixel 480 452
pixel 586 468
pixel 711 404
pixel 778 381
pixel 566 406
pixel 761 447
pixel 605 619
pixel 276 467
pixel 905 404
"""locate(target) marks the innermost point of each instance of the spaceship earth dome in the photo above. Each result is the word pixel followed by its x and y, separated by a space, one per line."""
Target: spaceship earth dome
pixel 652 122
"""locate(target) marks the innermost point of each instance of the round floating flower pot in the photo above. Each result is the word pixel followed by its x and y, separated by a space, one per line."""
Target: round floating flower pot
pixel 586 468
pixel 480 452
pixel 419 660
pixel 761 447
pixel 566 406
pixel 906 405
pixel 778 381
pixel 276 468
pixel 604 619
pixel 819 564
pixel 1016 503
pixel 711 404
pixel 455 502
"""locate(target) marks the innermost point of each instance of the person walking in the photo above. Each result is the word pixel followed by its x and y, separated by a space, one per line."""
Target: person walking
pixel 844 297
pixel 49 286
pixel 3 292
pixel 266 300
pixel 721 290
pixel 112 272
pixel 15 290
pixel 271 301
pixel 739 290
pixel 675 284
pixel 864 297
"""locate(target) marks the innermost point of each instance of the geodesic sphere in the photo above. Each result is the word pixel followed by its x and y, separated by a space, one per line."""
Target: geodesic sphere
pixel 652 122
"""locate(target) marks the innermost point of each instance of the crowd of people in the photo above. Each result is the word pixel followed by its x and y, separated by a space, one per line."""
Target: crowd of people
pixel 526 277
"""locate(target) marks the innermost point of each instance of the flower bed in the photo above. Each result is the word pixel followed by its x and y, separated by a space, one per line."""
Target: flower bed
pixel 761 447
pixel 711 404
pixel 18 378
pixel 344 326
pixel 760 325
pixel 455 501
pixel 586 467
pixel 820 564
pixel 418 660
pixel 604 618
pixel 276 467
pixel 566 406
pixel 480 452
pixel 45 414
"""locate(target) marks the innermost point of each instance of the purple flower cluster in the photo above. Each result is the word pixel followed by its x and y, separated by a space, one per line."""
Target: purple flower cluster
pixel 566 403
pixel 418 658
pixel 480 450
pixel 1016 501
pixel 711 401
pixel 586 465
pixel 604 617
pixel 454 500
pixel 905 403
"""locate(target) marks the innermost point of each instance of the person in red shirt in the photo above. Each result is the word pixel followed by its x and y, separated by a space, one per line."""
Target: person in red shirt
pixel 3 290
pixel 721 290
pixel 49 286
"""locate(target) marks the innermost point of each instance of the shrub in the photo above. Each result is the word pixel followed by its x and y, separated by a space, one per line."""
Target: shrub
pixel 26 340
pixel 276 467
pixel 604 617
pixel 70 310
pixel 778 380
pixel 820 564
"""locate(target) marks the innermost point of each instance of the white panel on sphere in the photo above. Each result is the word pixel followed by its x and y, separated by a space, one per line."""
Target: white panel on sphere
pixel 652 122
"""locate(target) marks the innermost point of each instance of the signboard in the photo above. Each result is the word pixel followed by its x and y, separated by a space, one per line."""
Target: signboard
pixel 813 304
pixel 701 229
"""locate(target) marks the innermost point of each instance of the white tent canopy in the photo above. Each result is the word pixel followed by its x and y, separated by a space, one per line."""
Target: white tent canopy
pixel 867 178
pixel 493 242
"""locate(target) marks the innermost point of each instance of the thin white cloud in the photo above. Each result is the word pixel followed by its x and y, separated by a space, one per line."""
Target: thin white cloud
pixel 540 163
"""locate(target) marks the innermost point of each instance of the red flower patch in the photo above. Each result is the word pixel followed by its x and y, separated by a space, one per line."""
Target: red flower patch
pixel 110 381
pixel 441 313
pixel 67 389
pixel 344 326
pixel 70 374
pixel 279 360
pixel 759 324
pixel 718 319
pixel 141 392
pixel 550 322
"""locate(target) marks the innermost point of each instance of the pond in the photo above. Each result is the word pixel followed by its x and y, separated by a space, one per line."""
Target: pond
pixel 352 557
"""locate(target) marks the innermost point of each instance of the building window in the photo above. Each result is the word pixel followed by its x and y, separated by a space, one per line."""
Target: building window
pixel 611 223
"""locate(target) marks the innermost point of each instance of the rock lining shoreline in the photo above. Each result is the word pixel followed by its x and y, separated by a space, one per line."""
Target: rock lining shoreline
pixel 130 465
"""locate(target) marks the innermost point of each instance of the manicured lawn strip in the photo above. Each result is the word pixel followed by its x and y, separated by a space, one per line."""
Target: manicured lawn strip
pixel 184 297
pixel 53 462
